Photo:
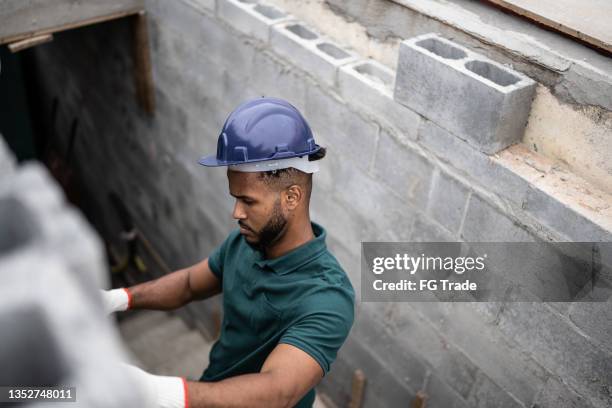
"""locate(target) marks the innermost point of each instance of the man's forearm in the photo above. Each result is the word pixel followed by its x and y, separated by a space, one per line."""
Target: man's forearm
pixel 248 390
pixel 168 292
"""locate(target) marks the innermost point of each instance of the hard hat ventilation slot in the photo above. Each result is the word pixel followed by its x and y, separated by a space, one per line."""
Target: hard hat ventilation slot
pixel 240 153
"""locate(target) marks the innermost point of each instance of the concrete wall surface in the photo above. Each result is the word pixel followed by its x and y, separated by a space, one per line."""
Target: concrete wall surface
pixel 575 82
pixel 391 174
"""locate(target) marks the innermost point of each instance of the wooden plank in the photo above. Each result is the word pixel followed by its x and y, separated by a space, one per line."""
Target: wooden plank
pixel 29 42
pixel 23 19
pixel 143 73
pixel 589 21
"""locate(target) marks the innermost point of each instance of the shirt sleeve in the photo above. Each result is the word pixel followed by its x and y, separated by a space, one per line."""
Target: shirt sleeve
pixel 215 262
pixel 216 259
pixel 322 332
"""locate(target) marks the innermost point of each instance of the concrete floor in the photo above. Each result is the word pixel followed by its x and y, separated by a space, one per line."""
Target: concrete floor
pixel 163 344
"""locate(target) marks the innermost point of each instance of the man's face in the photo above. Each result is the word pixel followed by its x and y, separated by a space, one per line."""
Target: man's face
pixel 258 209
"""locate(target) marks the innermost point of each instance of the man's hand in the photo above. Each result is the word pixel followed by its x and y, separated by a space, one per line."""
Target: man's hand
pixel 159 391
pixel 169 292
pixel 116 300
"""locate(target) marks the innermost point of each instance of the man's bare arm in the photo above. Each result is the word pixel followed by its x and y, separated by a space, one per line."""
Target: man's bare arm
pixel 286 376
pixel 176 289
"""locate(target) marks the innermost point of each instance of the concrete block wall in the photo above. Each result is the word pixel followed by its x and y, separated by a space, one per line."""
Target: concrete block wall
pixel 569 121
pixel 54 328
pixel 391 174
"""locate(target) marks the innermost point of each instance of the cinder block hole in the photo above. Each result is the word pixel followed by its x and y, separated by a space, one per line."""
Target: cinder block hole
pixel 442 49
pixel 491 72
pixel 333 51
pixel 16 229
pixel 29 354
pixel 302 32
pixel 375 74
pixel 271 12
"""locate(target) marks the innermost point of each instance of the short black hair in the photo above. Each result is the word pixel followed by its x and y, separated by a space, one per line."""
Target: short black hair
pixel 281 179
pixel 318 155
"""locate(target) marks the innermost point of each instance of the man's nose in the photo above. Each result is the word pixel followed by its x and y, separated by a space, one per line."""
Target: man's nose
pixel 238 213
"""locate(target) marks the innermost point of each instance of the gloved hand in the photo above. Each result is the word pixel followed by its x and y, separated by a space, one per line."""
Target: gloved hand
pixel 159 391
pixel 116 300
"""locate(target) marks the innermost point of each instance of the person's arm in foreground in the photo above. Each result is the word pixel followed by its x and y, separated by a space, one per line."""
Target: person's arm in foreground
pixel 286 376
pixel 168 292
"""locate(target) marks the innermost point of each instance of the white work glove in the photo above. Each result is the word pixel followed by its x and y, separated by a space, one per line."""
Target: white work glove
pixel 159 391
pixel 116 300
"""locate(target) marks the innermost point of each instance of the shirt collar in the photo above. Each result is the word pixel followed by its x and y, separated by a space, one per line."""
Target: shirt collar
pixel 297 256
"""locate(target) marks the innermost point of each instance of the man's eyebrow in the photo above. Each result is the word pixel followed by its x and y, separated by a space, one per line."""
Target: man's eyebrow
pixel 241 196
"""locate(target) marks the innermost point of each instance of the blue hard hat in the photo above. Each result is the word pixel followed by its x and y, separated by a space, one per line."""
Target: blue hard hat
pixel 262 129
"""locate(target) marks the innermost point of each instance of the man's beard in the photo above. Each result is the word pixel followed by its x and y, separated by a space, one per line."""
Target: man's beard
pixel 272 232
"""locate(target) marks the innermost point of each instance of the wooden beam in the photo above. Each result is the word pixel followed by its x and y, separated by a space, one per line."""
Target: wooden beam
pixel 143 75
pixel 69 26
pixel 29 42
pixel 588 21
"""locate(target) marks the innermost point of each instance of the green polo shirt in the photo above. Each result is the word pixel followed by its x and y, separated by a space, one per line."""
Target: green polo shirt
pixel 302 298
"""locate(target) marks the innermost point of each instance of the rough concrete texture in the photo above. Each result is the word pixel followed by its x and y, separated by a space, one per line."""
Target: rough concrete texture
pixel 250 18
pixel 379 182
pixel 308 50
pixel 475 98
pixel 369 85
pixel 557 138
pixel 583 72
pixel 54 327
pixel 578 78
pixel 163 344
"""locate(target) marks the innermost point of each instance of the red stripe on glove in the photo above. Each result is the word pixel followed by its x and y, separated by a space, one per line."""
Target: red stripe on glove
pixel 129 295
pixel 185 391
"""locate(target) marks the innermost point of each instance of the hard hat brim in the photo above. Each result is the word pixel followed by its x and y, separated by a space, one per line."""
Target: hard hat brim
pixel 211 161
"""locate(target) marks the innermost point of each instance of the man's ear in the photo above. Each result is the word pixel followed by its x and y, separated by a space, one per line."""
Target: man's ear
pixel 293 196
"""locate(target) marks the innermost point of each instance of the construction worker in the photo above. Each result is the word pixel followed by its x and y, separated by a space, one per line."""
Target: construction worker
pixel 287 303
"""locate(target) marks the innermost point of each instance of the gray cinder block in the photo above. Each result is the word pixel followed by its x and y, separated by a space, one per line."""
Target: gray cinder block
pixel 250 17
pixel 53 334
pixel 369 85
pixel 54 330
pixel 305 48
pixel 485 103
pixel 56 225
